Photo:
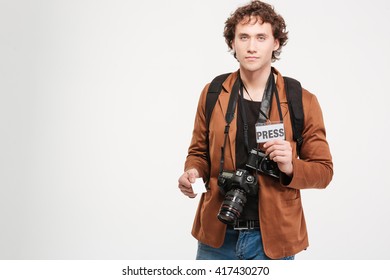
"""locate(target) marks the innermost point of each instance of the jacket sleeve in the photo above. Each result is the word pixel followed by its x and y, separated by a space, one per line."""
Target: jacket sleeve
pixel 314 168
pixel 198 151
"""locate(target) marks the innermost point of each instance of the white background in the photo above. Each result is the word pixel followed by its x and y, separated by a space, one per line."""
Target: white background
pixel 97 102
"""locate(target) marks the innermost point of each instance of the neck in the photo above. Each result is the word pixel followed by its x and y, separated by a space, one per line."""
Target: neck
pixel 255 82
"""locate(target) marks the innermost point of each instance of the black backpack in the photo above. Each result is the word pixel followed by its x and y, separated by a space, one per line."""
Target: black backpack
pixel 294 99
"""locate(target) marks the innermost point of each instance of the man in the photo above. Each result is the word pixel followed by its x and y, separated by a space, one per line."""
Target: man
pixel 271 223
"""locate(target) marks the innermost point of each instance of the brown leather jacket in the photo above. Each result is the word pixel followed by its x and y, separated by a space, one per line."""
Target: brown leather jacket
pixel 282 220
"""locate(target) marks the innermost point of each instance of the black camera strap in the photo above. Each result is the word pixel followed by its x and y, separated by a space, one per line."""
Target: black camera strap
pixel 277 98
pixel 244 116
pixel 229 117
pixel 266 101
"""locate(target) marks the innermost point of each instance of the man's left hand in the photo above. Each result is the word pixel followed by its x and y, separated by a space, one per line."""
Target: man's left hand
pixel 280 151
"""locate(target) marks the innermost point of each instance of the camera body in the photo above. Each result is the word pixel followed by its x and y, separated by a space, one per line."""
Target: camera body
pixel 257 160
pixel 240 178
pixel 235 185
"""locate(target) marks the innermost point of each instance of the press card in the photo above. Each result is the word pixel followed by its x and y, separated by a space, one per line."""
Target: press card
pixel 267 132
pixel 198 186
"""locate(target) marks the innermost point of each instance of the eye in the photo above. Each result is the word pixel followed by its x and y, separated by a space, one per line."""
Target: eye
pixel 261 38
pixel 243 37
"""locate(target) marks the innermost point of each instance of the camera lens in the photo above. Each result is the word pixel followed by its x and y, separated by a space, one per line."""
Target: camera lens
pixel 269 167
pixel 232 206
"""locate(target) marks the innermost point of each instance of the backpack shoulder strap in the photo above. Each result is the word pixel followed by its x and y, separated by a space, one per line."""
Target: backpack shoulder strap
pixel 295 105
pixel 213 92
pixel 212 95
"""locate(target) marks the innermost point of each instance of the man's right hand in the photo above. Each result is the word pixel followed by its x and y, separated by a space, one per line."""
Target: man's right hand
pixel 186 180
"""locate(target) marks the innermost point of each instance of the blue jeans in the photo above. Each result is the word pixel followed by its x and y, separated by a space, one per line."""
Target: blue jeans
pixel 238 245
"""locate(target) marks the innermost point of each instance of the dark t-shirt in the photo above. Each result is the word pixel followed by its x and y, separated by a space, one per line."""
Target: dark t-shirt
pixel 252 109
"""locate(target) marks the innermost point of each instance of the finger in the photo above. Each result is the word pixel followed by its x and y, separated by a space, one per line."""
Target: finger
pixel 278 154
pixel 283 147
pixel 272 149
pixel 273 142
pixel 188 192
pixel 279 159
pixel 193 195
pixel 185 188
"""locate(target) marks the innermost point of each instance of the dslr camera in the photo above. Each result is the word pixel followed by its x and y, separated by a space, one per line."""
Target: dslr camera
pixel 235 185
pixel 257 160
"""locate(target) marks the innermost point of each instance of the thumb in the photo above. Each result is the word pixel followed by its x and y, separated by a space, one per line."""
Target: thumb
pixel 191 177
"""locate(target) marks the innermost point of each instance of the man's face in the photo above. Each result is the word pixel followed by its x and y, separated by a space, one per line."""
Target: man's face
pixel 253 44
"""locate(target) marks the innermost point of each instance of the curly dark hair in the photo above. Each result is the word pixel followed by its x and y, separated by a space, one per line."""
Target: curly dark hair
pixel 261 11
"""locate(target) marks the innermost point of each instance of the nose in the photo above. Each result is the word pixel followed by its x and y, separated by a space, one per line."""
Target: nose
pixel 252 45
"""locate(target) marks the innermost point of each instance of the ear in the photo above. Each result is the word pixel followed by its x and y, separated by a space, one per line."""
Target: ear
pixel 276 44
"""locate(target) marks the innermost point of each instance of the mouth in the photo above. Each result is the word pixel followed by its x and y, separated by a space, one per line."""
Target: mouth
pixel 251 58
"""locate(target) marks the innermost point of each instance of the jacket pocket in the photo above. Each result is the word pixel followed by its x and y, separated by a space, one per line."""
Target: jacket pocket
pixel 291 197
